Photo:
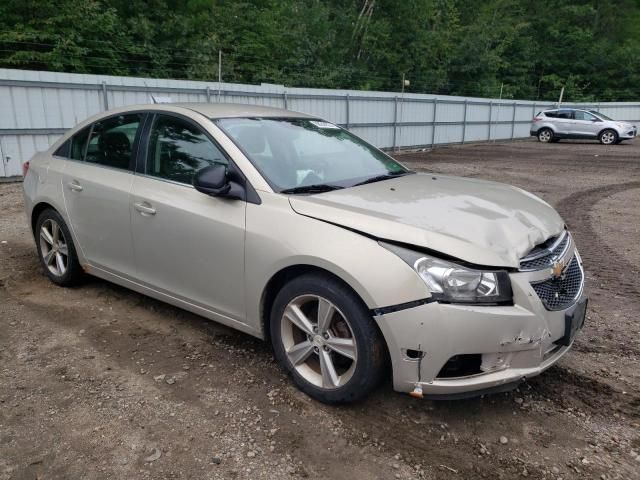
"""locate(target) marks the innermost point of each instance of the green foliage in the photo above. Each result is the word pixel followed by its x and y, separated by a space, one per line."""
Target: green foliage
pixel 474 47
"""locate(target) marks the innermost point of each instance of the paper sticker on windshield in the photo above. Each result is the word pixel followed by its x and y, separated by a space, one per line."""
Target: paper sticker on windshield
pixel 328 125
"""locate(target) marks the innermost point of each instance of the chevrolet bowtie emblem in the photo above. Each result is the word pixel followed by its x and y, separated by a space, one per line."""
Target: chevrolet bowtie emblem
pixel 557 268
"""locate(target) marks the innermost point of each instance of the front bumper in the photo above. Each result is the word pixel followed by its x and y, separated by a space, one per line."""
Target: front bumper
pixel 628 133
pixel 515 342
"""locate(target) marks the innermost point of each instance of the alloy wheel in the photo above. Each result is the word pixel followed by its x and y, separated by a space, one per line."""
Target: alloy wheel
pixel 608 138
pixel 54 248
pixel 318 341
pixel 544 136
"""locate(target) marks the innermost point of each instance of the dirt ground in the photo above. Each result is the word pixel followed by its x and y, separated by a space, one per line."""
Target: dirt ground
pixel 100 382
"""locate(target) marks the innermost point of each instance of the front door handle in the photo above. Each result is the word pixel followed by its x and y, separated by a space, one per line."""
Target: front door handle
pixel 75 186
pixel 144 208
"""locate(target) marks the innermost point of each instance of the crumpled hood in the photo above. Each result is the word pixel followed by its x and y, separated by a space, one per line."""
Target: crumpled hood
pixel 481 222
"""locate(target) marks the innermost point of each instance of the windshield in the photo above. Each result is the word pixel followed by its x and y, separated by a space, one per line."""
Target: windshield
pixel 604 117
pixel 294 153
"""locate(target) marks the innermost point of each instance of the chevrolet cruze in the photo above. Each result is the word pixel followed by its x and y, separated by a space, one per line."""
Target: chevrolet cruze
pixel 292 229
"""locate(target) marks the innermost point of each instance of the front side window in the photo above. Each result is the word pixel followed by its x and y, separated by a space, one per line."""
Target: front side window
pixel 178 149
pixel 294 153
pixel 602 116
pixel 112 139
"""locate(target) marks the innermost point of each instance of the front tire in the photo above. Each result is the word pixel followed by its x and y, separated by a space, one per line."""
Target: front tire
pixel 545 135
pixel 326 339
pixel 608 137
pixel 56 250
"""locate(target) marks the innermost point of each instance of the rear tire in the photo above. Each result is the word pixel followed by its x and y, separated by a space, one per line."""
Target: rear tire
pixel 608 137
pixel 545 135
pixel 326 339
pixel 56 250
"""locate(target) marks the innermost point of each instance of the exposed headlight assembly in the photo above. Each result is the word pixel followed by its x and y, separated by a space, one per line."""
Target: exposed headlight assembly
pixel 452 283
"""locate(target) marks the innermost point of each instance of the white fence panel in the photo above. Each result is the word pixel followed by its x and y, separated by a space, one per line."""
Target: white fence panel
pixel 37 107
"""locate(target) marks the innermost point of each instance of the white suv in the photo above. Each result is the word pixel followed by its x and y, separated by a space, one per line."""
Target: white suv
pixel 552 125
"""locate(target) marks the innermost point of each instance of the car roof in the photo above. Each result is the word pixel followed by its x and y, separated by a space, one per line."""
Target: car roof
pixel 236 110
pixel 571 108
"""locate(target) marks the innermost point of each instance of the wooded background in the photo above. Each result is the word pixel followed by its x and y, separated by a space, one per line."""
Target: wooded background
pixel 529 49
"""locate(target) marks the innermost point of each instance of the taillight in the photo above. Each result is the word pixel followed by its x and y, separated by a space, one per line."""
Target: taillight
pixel 25 168
pixel 537 119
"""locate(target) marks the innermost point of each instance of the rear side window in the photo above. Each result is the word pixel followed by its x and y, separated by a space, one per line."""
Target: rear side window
pixel 566 114
pixel 112 140
pixel 178 149
pixel 79 143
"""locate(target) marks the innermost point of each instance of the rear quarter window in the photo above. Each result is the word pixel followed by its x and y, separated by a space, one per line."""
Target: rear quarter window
pixel 63 150
pixel 78 144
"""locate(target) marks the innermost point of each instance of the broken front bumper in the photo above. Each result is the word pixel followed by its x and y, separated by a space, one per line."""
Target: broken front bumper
pixel 514 342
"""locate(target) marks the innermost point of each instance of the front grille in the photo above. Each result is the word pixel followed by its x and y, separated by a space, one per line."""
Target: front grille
pixel 561 293
pixel 543 255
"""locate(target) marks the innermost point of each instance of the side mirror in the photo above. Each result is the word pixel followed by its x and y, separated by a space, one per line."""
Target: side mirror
pixel 212 180
pixel 216 182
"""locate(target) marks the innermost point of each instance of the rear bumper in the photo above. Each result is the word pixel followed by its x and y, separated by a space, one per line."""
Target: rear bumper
pixel 515 342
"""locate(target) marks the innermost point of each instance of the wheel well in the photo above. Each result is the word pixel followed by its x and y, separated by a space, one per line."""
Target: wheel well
pixel 35 213
pixel 284 276
pixel 608 128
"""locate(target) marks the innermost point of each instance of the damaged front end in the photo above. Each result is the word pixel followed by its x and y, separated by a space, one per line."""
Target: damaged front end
pixel 451 350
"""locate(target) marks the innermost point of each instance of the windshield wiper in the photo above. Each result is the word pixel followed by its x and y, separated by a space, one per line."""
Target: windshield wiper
pixel 386 176
pixel 317 188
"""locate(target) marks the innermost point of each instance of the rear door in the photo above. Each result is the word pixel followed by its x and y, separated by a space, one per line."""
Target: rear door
pixel 585 124
pixel 97 181
pixel 187 244
pixel 563 122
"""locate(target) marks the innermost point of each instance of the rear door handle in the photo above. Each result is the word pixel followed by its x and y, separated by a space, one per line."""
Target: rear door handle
pixel 144 208
pixel 75 186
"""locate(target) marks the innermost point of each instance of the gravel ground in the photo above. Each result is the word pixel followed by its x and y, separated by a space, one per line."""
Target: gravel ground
pixel 100 382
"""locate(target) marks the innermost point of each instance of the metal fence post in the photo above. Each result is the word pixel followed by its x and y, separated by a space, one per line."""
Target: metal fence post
pixel 347 110
pixel 490 119
pixel 513 119
pixel 105 97
pixel 395 122
pixel 464 121
pixel 284 98
pixel 433 122
pixel 208 94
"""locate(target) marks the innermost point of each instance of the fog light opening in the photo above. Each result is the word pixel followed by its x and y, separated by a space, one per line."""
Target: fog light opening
pixel 461 366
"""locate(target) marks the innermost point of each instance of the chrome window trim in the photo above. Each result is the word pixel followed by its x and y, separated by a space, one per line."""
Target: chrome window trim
pixel 161 179
pixel 98 165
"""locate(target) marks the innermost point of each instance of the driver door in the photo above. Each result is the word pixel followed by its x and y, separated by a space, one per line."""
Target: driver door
pixel 187 245
pixel 585 124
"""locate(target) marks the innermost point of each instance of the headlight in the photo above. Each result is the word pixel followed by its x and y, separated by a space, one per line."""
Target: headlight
pixel 452 283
